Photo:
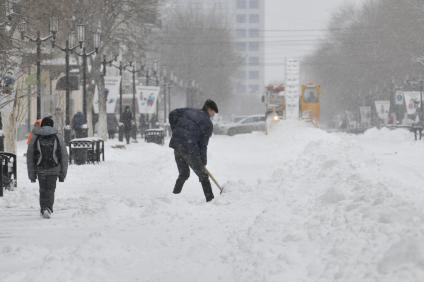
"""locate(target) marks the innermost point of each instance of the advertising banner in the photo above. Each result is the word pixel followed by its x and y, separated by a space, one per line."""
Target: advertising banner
pixel 399 98
pixel 112 87
pixel 147 98
pixel 383 109
pixel 412 101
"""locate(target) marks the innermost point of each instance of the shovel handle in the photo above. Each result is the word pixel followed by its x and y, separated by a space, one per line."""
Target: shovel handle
pixel 214 180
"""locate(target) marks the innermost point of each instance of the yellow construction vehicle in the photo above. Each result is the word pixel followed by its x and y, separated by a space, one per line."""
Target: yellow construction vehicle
pixel 310 107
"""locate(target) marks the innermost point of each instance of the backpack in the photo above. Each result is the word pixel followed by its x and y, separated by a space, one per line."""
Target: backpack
pixel 47 152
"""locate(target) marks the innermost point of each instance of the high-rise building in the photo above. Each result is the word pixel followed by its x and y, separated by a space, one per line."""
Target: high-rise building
pixel 248 21
pixel 246 18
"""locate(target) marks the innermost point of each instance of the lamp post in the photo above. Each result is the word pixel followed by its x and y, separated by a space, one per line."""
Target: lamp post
pixel 134 71
pixel 38 40
pixel 70 46
pixel 106 63
pixel 165 89
pixel 84 55
pixel 121 69
pixel 174 80
pixel 155 73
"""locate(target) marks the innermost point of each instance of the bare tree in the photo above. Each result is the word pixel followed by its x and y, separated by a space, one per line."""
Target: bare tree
pixel 200 47
pixel 367 51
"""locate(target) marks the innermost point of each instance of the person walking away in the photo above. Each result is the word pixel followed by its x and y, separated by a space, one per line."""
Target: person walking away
pixel 142 124
pixel 112 125
pixel 127 119
pixel 78 123
pixel 191 130
pixel 47 160
pixel 153 121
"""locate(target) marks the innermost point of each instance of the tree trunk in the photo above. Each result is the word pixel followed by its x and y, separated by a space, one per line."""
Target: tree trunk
pixel 9 126
pixel 90 114
pixel 102 127
pixel 9 133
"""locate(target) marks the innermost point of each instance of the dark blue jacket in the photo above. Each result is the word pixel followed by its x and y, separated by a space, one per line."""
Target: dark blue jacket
pixel 191 130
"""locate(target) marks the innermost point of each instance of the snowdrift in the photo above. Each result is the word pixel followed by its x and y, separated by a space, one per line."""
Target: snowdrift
pixel 300 205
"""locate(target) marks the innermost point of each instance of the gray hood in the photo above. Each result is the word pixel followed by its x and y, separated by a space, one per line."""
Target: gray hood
pixel 44 131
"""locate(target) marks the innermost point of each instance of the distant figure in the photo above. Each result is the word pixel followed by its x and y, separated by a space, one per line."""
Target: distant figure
pixel 47 160
pixel 153 121
pixel 127 119
pixel 142 124
pixel 112 125
pixel 78 123
pixel 191 130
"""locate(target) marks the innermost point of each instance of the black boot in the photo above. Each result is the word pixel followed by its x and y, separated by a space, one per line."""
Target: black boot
pixel 178 186
pixel 207 189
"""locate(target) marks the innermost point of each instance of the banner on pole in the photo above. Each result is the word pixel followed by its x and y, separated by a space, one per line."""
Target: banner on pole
pixel 399 98
pixel 412 101
pixel 147 98
pixel 112 86
pixel 383 109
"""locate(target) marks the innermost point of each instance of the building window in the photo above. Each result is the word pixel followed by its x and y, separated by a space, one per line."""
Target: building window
pixel 253 46
pixel 241 46
pixel 254 33
pixel 254 18
pixel 254 61
pixel 241 18
pixel 241 33
pixel 253 75
pixel 241 75
pixel 241 4
pixel 254 4
pixel 254 88
pixel 241 88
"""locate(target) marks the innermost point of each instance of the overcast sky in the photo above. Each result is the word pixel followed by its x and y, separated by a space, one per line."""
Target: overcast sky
pixel 293 29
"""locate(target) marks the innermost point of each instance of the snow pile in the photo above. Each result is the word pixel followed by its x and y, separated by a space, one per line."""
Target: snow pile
pixel 299 205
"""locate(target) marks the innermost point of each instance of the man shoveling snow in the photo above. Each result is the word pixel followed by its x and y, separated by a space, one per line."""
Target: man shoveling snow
pixel 191 130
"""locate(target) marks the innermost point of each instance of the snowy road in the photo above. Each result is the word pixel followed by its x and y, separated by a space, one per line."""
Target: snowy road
pixel 301 205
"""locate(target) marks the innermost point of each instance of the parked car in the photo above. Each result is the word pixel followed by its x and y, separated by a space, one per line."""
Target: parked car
pixel 248 124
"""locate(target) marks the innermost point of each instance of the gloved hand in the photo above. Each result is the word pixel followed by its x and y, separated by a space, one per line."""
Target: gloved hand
pixel 61 179
pixel 33 180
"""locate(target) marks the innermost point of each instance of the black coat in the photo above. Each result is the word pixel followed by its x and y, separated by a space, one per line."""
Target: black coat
pixel 191 130
pixel 127 120
pixel 112 123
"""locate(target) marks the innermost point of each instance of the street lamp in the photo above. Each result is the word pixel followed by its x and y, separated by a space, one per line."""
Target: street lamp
pixel 84 55
pixel 70 46
pixel 174 80
pixel 38 40
pixel 121 68
pixel 134 71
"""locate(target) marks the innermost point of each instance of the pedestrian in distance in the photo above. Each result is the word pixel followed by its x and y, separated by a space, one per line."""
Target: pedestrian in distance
pixel 127 119
pixel 142 124
pixel 47 161
pixel 191 130
pixel 112 125
pixel 79 122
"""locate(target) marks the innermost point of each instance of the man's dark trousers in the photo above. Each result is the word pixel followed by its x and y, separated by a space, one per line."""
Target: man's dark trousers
pixel 185 161
pixel 47 188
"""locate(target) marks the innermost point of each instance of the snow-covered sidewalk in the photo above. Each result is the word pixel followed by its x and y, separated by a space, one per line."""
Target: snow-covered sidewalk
pixel 300 205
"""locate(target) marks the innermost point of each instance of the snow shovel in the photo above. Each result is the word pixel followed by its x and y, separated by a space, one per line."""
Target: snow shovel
pixel 214 180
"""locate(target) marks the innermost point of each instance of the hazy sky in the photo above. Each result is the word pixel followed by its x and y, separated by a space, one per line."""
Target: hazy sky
pixel 293 29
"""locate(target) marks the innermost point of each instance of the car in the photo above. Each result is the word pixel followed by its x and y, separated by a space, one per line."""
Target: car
pixel 248 124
